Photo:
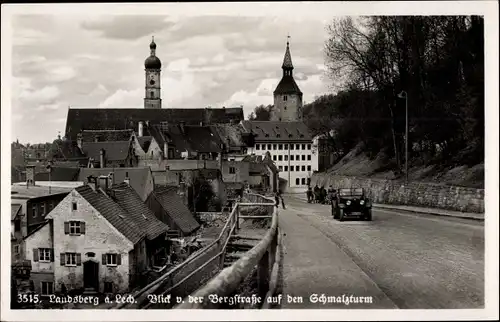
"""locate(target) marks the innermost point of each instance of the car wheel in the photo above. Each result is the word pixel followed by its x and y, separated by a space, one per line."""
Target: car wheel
pixel 341 215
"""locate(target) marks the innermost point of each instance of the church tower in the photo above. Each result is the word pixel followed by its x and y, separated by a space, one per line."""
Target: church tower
pixel 152 65
pixel 287 96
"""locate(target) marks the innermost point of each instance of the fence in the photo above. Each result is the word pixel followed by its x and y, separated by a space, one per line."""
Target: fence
pixel 265 255
pixel 197 269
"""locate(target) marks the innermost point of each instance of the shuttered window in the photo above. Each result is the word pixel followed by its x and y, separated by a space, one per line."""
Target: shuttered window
pixel 71 259
pixel 74 228
pixel 43 254
pixel 111 259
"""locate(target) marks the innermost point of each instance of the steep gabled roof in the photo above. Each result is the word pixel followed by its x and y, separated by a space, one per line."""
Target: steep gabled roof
pixel 176 209
pixel 287 85
pixel 113 213
pixel 121 119
pixel 143 217
pixel 145 142
pixel 15 208
pixel 115 150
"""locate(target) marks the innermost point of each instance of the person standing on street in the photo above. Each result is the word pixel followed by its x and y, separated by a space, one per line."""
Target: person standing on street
pixel 282 200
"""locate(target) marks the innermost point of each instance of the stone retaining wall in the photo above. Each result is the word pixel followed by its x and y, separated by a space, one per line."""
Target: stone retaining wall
pixel 419 194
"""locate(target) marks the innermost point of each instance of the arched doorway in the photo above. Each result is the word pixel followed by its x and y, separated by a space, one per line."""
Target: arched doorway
pixel 91 275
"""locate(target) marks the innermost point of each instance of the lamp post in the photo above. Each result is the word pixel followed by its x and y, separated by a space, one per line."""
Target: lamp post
pixel 404 95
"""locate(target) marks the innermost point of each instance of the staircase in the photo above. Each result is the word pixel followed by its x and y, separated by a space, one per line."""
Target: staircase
pixel 237 247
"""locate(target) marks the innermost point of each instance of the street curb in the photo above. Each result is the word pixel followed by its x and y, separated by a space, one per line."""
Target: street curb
pixel 429 213
pixel 423 212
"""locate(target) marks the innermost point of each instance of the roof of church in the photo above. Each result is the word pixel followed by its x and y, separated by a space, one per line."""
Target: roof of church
pixel 287 85
pixel 121 119
pixel 287 60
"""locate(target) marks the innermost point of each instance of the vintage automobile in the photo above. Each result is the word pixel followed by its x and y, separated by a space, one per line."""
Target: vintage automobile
pixel 351 202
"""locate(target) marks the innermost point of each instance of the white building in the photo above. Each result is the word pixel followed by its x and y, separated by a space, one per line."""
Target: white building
pixel 290 146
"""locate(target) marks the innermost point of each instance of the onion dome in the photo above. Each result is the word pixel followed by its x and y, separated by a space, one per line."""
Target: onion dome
pixel 152 62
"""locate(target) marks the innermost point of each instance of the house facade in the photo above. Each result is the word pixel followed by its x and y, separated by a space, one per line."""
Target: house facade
pixel 94 240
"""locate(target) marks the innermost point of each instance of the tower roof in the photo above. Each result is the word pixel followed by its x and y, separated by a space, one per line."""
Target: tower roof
pixel 152 62
pixel 287 60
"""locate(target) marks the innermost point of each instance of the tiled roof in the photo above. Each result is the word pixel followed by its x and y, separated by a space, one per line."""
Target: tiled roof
pixel 106 135
pixel 58 174
pixel 194 139
pixel 113 213
pixel 14 210
pixel 138 211
pixel 287 85
pixel 115 150
pixel 141 179
pixel 121 119
pixel 271 131
pixel 176 209
pixel 287 60
pixel 20 191
pixel 230 134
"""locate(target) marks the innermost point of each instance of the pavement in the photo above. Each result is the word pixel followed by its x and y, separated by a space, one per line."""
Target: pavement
pixel 417 210
pixel 400 259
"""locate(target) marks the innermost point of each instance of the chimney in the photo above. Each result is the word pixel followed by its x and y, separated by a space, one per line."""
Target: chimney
pixel 79 140
pixel 141 129
pixel 103 183
pixel 92 182
pixel 165 150
pixel 30 175
pixel 102 158
pixel 182 124
pixel 127 179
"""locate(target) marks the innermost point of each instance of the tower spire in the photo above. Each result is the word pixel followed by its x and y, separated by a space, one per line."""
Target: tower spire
pixel 152 46
pixel 287 60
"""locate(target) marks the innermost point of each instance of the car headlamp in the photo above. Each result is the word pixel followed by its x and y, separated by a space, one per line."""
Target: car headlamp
pixel 362 202
pixel 348 202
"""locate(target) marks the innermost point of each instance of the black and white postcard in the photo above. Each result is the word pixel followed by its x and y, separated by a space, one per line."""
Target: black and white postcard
pixel 265 161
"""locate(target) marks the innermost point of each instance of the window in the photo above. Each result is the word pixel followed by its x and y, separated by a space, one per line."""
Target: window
pixel 303 168
pixel 108 287
pixel 51 206
pixel 284 107
pixel 286 146
pixel 232 170
pixel 292 146
pixel 280 168
pixel 74 207
pixel 257 147
pixel 297 181
pixel 286 157
pixel 274 147
pixel 17 249
pixel 308 168
pixel 274 157
pixel 308 157
pixel 47 288
pixel 152 94
pixel 44 254
pixel 297 157
pixel 285 98
pixel 303 146
pixel 291 168
pixel 34 210
pixel 303 181
pixel 17 225
pixel 303 157
pixel 269 146
pixel 297 147
pixel 280 146
pixel 111 259
pixel 291 157
pixel 280 158
pixel 74 228
pixel 286 168
pixel 309 147
pixel 42 209
pixel 70 259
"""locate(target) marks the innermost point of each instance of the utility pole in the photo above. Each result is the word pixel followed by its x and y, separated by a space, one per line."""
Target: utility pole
pixel 404 95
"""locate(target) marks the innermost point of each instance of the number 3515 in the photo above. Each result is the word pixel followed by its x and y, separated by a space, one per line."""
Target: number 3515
pixel 28 298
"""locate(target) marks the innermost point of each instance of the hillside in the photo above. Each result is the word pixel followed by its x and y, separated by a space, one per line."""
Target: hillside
pixel 357 163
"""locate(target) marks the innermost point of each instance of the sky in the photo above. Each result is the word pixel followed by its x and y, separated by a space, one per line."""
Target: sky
pixel 97 61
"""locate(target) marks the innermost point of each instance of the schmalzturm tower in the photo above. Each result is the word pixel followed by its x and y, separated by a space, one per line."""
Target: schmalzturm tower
pixel 287 96
pixel 152 65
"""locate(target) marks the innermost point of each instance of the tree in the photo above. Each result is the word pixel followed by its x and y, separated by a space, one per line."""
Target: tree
pixel 261 113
